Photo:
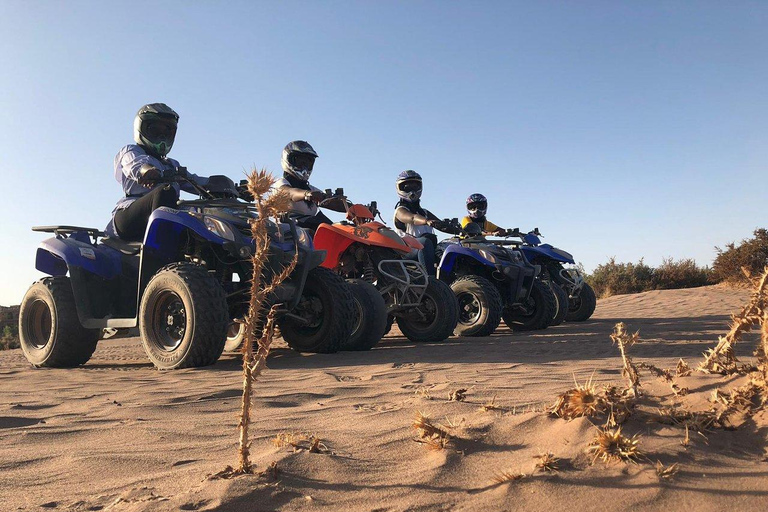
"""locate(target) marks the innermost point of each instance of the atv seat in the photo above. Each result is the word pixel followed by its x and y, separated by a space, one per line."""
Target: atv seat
pixel 125 247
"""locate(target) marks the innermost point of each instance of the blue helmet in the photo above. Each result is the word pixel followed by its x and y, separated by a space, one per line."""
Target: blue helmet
pixel 409 185
pixel 477 206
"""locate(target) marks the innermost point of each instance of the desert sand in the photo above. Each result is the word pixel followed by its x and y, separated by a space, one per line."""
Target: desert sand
pixel 119 435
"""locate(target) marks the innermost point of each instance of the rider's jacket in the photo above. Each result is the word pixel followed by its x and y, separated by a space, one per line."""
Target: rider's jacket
pixel 297 207
pixel 128 164
pixel 486 225
pixel 411 229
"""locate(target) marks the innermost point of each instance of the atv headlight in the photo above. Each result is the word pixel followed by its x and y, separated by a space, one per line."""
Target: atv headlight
pixel 487 255
pixel 304 238
pixel 219 228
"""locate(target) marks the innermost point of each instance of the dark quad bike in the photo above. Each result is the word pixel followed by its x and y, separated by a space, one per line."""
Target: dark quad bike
pixel 374 258
pixel 183 286
pixel 581 297
pixel 492 281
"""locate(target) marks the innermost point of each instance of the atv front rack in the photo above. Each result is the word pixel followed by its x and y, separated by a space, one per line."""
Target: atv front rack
pixel 406 281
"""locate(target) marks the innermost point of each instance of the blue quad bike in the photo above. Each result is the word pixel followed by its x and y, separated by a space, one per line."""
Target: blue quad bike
pixel 492 280
pixel 184 287
pixel 567 280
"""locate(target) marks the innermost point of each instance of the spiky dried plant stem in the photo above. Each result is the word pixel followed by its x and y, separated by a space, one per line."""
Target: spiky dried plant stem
pixel 267 207
pixel 624 339
pixel 722 358
pixel 763 356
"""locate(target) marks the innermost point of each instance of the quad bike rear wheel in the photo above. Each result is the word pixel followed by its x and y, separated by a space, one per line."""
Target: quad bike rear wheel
pixel 582 305
pixel 435 318
pixel 49 329
pixel 480 306
pixel 370 316
pixel 536 313
pixel 562 304
pixel 183 317
pixel 326 311
pixel 235 335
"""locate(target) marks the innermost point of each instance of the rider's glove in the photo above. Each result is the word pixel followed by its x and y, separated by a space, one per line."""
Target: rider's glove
pixel 314 196
pixel 513 232
pixel 148 175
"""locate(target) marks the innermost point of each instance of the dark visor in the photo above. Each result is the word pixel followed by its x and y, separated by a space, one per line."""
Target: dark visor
pixel 160 130
pixel 482 205
pixel 410 186
pixel 301 161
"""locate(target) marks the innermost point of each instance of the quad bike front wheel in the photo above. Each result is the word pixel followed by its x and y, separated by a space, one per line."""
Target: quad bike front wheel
pixel 49 330
pixel 535 313
pixel 582 305
pixel 435 318
pixel 326 314
pixel 480 306
pixel 183 317
pixel 370 316
pixel 562 304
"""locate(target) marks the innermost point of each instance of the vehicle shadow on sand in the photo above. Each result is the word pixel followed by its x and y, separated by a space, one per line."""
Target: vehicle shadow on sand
pixel 662 338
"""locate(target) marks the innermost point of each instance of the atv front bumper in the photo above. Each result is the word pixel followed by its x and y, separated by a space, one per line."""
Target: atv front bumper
pixel 521 280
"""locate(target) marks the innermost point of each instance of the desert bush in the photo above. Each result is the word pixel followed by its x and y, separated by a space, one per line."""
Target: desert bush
pixel 618 278
pixel 10 338
pixel 614 278
pixel 751 253
pixel 683 273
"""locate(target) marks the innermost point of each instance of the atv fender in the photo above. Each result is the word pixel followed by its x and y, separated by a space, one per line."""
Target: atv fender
pixel 451 254
pixel 546 251
pixel 336 238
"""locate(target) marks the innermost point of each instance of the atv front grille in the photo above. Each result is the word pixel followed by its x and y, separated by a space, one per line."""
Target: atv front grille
pixel 405 281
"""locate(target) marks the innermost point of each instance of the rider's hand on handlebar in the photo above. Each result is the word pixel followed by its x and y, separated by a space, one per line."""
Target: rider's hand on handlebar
pixel 512 232
pixel 148 176
pixel 314 196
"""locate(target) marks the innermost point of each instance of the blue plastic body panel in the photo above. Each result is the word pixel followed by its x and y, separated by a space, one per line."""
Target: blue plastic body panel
pixel 55 255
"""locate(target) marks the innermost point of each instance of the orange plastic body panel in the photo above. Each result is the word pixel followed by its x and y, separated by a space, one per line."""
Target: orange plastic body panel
pixel 336 238
pixel 413 243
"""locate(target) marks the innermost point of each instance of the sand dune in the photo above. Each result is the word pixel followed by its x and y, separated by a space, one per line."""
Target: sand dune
pixel 118 435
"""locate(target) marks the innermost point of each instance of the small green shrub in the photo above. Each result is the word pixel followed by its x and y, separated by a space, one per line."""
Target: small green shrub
pixel 684 273
pixel 10 338
pixel 751 253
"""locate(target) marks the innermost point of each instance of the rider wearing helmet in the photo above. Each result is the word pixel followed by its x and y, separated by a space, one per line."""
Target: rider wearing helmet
pixel 139 166
pixel 298 161
pixel 411 219
pixel 477 206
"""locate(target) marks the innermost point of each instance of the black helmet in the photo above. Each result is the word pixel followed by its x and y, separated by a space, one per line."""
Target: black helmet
pixel 409 185
pixel 154 128
pixel 298 159
pixel 477 206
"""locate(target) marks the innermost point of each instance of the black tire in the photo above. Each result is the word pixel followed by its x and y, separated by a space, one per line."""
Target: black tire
pixel 435 319
pixel 50 332
pixel 390 323
pixel 370 315
pixel 183 317
pixel 329 312
pixel 582 305
pixel 562 304
pixel 538 313
pixel 235 336
pixel 480 306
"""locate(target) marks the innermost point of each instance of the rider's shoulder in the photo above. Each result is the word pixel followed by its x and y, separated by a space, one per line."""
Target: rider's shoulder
pixel 280 183
pixel 465 221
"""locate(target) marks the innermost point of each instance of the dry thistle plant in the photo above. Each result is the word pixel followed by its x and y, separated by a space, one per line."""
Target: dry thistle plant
pixel 268 206
pixel 491 406
pixel 458 395
pixel 682 369
pixel 433 436
pixel 624 339
pixel 301 442
pixel 722 359
pixel 667 472
pixel 502 477
pixel 583 400
pixel 547 463
pixel 656 371
pixel 610 445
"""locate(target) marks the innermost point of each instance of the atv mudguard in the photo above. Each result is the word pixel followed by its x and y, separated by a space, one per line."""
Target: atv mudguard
pixel 546 251
pixel 454 252
pixel 336 238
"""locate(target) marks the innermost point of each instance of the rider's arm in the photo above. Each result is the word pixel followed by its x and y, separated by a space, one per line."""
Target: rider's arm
pixel 130 163
pixel 493 229
pixel 407 217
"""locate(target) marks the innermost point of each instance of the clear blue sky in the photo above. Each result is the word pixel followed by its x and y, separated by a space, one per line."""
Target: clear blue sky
pixel 619 129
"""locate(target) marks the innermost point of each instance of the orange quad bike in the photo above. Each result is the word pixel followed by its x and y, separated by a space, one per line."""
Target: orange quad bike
pixel 367 252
